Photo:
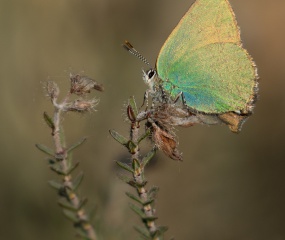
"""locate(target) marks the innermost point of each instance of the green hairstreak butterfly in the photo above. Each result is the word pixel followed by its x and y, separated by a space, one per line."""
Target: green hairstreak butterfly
pixel 203 59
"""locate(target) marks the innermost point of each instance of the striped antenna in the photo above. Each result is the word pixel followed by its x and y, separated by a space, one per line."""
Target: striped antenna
pixel 129 47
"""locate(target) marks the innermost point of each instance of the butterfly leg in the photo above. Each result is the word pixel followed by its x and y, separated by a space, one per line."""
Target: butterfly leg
pixel 183 100
pixel 145 99
pixel 177 97
pixel 163 95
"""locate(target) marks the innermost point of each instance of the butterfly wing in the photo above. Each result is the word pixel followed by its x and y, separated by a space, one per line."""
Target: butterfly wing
pixel 203 57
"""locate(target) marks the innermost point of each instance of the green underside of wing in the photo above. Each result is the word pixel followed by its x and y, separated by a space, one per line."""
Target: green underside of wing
pixel 203 58
pixel 215 78
pixel 206 22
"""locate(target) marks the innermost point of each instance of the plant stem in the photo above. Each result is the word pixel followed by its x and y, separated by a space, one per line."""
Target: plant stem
pixel 60 158
pixel 145 197
pixel 70 194
pixel 138 176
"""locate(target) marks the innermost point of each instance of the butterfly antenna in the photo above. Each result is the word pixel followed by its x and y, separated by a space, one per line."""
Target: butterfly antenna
pixel 129 47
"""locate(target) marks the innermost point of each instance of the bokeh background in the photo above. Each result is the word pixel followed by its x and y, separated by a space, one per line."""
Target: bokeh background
pixel 228 186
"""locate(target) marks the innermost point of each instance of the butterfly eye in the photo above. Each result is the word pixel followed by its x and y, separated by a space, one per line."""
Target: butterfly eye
pixel 150 73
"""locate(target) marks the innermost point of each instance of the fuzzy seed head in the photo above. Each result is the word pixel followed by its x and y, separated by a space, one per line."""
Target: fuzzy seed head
pixel 81 85
pixel 52 90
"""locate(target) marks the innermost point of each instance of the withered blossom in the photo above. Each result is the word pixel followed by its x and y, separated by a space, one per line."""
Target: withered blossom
pixel 81 105
pixel 80 85
pixel 52 90
pixel 131 114
pixel 165 140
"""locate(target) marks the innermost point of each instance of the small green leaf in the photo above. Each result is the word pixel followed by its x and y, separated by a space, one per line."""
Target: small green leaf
pixel 67 205
pixel 76 182
pixel 125 178
pixel 70 215
pixel 125 166
pixel 132 147
pixel 152 192
pixel 148 201
pixel 148 157
pixel 149 218
pixel 81 234
pixel 57 168
pixel 49 121
pixel 130 195
pixel 45 149
pixel 119 138
pixel 63 203
pixel 82 203
pixel 144 135
pixel 131 182
pixel 72 168
pixel 162 229
pixel 133 104
pixel 159 233
pixel 144 233
pixel 137 210
pixel 77 144
pixel 69 160
pixel 136 164
pixel 140 212
pixel 55 184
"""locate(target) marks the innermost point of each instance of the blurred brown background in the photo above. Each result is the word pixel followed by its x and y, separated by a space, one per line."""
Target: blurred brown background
pixel 228 187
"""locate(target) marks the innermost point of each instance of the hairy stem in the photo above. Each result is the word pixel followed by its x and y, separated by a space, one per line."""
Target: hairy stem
pixel 69 194
pixel 138 176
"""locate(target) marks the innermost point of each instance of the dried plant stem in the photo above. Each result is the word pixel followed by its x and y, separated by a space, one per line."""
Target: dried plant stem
pixel 139 180
pixel 60 160
pixel 145 197
pixel 70 195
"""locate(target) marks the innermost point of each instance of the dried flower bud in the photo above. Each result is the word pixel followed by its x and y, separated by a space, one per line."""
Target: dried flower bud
pixel 81 85
pixel 165 141
pixel 52 90
pixel 81 106
pixel 131 114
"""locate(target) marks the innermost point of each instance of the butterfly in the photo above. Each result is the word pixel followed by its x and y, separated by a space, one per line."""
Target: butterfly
pixel 204 61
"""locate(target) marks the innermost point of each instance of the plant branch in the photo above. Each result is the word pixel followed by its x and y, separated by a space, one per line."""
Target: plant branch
pixel 62 162
pixel 137 167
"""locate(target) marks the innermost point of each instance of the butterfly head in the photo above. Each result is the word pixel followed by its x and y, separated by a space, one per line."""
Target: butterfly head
pixel 149 78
